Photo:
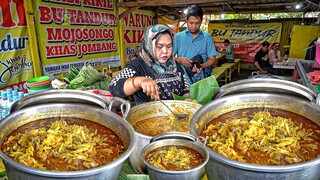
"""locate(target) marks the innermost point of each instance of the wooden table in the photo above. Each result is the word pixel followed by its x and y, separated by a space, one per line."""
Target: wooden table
pixel 284 65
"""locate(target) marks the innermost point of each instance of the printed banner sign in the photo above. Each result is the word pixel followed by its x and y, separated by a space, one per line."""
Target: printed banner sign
pixel 245 38
pixel 76 33
pixel 172 24
pixel 15 57
pixel 134 25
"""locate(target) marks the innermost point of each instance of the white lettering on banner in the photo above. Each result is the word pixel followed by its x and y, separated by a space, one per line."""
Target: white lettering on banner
pixel 56 69
pixel 13 44
pixel 13 67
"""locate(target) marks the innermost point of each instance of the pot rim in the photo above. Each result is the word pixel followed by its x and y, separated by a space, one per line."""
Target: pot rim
pixel 155 102
pixel 165 101
pixel 80 173
pixel 247 166
pixel 176 142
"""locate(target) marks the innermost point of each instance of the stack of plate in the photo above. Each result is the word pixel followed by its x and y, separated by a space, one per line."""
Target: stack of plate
pixel 39 84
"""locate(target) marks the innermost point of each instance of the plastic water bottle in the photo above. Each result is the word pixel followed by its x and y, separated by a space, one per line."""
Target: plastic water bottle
pixel 9 91
pixel 21 95
pixel 15 93
pixel 4 101
pixel 9 103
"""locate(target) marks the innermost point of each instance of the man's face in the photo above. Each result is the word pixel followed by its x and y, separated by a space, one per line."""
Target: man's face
pixel 194 24
pixel 264 48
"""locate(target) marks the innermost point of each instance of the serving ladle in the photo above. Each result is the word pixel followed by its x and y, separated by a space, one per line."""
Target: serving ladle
pixel 177 115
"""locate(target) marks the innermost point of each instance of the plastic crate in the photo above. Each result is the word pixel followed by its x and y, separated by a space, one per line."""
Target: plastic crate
pixel 303 67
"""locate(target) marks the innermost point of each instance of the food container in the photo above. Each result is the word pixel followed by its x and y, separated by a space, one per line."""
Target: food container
pixel 177 139
pixel 102 116
pixel 62 96
pixel 148 110
pixel 267 93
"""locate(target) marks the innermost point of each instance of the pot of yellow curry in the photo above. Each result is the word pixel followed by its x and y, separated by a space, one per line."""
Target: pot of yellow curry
pixel 254 133
pixel 174 155
pixel 153 118
pixel 65 141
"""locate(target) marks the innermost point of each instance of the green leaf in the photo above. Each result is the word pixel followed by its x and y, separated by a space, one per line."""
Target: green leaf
pixel 78 82
pixel 203 90
pixel 177 97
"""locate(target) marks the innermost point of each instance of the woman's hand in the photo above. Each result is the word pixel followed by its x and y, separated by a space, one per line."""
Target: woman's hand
pixel 184 61
pixel 149 87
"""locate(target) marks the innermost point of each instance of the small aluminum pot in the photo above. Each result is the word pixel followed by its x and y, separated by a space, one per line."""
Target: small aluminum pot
pixel 179 139
pixel 149 110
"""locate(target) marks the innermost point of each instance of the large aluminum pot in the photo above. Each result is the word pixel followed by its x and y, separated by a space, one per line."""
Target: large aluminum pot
pixel 122 128
pixel 148 110
pixel 222 168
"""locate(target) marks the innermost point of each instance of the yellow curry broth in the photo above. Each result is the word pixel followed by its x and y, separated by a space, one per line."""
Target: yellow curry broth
pixel 65 144
pixel 161 124
pixel 264 136
pixel 174 158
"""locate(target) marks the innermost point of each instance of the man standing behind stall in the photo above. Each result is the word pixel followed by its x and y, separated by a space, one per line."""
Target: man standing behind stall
pixel 192 42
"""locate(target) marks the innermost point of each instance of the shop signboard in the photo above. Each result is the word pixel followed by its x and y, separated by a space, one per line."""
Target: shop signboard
pixel 77 33
pixel 245 38
pixel 134 25
pixel 15 56
pixel 172 23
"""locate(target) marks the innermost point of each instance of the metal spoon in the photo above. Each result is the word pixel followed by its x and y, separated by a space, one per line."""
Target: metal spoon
pixel 179 116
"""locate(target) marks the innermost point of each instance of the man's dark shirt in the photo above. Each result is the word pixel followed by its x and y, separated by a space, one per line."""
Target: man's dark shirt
pixel 262 58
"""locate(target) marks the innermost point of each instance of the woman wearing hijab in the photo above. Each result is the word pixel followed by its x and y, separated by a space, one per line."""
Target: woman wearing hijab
pixel 154 74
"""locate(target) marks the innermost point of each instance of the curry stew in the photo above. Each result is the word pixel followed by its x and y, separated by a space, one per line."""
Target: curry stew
pixel 264 136
pixel 174 158
pixel 63 144
pixel 161 124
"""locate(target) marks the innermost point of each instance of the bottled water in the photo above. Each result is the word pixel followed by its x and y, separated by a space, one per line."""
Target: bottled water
pixel 4 101
pixel 15 93
pixel 21 95
pixel 9 103
pixel 9 91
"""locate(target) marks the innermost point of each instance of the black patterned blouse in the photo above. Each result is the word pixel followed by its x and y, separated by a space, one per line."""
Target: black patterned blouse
pixel 176 83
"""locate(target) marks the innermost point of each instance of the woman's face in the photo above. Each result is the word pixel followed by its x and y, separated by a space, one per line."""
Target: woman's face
pixel 163 49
